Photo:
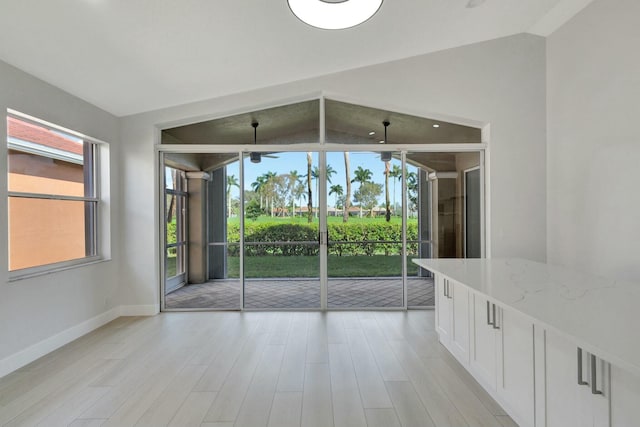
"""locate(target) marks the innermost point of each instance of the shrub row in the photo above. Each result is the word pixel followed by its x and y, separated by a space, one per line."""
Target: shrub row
pixel 355 238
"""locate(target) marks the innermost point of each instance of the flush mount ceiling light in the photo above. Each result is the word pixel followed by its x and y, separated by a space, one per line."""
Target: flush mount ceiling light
pixel 334 14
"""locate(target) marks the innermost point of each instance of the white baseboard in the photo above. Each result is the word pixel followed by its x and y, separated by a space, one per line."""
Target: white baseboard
pixel 139 310
pixel 37 350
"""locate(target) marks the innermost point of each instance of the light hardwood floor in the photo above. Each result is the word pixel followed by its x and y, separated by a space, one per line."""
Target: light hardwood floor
pixel 275 369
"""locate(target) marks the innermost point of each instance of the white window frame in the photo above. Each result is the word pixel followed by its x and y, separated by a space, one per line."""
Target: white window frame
pixel 99 219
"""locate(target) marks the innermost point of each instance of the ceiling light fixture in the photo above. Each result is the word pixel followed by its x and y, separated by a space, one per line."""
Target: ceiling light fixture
pixel 385 156
pixel 334 14
pixel 436 125
pixel 255 156
pixel 372 133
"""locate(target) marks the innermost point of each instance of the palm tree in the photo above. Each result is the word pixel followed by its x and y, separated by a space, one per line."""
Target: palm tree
pixel 258 186
pixel 309 198
pixel 396 173
pixel 362 176
pixel 347 199
pixel 232 181
pixel 412 190
pixel 294 180
pixel 338 191
pixel 269 188
pixel 387 170
pixel 316 175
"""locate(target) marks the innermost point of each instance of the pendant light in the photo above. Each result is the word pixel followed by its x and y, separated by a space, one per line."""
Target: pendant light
pixel 385 156
pixel 255 156
pixel 334 14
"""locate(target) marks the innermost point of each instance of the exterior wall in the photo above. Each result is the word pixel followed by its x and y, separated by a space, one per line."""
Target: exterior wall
pixel 40 313
pixel 44 231
pixel 500 82
pixel 594 141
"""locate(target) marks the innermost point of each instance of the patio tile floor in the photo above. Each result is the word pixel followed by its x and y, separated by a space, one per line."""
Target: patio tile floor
pixel 302 293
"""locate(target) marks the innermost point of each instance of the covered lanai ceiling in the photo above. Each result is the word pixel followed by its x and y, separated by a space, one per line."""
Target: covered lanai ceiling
pixel 133 56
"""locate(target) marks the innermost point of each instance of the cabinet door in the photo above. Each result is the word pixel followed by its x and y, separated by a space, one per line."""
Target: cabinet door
pixel 483 344
pixel 565 397
pixel 460 322
pixel 625 398
pixel 516 366
pixel 598 404
pixel 443 312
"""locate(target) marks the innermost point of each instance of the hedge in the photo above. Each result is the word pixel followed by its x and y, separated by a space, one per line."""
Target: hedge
pixel 351 235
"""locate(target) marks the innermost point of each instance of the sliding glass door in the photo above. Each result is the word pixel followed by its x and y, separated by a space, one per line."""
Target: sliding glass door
pixel 364 224
pixel 281 229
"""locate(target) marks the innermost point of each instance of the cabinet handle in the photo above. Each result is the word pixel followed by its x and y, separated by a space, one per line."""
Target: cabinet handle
pixel 449 290
pixel 444 287
pixel 580 381
pixel 594 387
pixel 495 321
pixel 488 315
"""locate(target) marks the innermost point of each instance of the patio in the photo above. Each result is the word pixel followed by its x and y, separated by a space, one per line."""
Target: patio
pixel 302 293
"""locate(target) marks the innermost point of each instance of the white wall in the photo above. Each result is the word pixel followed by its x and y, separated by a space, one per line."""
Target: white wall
pixel 500 82
pixel 593 149
pixel 40 313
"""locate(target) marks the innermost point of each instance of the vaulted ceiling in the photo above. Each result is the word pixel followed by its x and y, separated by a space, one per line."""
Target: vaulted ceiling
pixel 132 56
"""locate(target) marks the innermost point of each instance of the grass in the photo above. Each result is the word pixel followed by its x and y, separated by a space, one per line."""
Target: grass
pixel 309 266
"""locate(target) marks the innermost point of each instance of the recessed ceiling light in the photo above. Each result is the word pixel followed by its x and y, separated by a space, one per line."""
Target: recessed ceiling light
pixel 381 141
pixel 436 125
pixel 372 133
pixel 334 14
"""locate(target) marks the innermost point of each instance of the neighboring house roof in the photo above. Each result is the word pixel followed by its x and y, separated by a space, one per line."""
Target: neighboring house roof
pixel 33 133
pixel 31 138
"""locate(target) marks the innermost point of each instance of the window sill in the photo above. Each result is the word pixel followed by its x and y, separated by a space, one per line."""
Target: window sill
pixel 28 273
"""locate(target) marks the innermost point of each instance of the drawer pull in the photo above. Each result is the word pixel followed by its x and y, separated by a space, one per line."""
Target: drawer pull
pixel 594 387
pixel 495 321
pixel 489 315
pixel 580 380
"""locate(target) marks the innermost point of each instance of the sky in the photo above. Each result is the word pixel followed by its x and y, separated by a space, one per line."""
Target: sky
pixel 286 162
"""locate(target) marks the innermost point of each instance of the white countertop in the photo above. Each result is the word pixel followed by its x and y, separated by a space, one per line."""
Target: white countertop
pixel 602 316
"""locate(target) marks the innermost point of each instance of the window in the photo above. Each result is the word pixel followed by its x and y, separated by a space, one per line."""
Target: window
pixel 53 197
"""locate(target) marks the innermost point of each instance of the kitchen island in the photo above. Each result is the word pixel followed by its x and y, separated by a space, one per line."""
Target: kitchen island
pixel 552 345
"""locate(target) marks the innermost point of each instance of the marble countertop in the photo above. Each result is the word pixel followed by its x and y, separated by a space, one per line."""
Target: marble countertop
pixel 602 316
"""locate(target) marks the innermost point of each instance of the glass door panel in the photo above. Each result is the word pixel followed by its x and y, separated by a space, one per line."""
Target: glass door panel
pixel 281 244
pixel 419 244
pixel 223 286
pixel 364 222
pixel 175 214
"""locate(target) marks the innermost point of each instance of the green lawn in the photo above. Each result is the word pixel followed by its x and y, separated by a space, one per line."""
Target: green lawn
pixel 301 266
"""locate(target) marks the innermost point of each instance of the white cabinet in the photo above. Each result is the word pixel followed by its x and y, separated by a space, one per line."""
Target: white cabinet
pixel 502 357
pixel 515 379
pixel 443 310
pixel 452 315
pixel 484 342
pixel 577 386
pixel 625 398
